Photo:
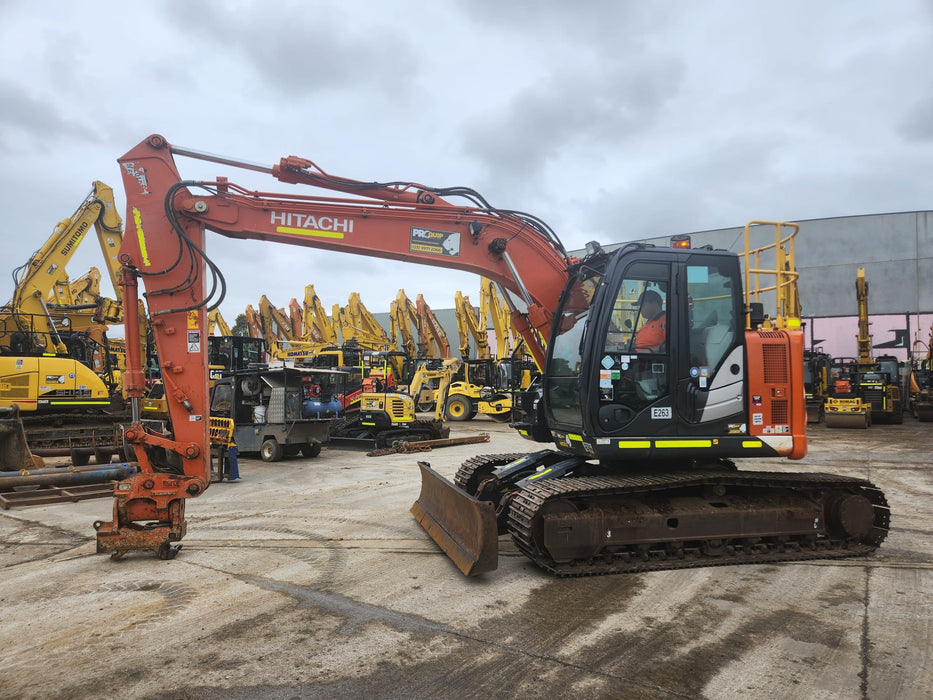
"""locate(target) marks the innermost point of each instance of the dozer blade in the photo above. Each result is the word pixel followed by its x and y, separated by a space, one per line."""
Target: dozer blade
pixel 464 527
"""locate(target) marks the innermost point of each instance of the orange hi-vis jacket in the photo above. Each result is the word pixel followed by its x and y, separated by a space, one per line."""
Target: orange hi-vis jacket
pixel 652 334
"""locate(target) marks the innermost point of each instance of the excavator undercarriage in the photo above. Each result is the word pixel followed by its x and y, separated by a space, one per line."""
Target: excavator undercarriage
pixel 592 521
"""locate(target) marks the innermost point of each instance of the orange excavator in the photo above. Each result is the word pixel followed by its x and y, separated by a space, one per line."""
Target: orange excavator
pixel 640 473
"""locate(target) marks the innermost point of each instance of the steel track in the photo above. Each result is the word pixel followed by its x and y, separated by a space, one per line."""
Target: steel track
pixel 526 505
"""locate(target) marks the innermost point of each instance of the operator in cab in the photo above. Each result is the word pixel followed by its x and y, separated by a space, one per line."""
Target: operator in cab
pixel 652 335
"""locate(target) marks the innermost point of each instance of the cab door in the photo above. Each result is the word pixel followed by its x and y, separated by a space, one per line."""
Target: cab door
pixel 710 394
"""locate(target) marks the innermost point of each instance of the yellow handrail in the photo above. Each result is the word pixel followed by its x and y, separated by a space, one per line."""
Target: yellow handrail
pixel 784 272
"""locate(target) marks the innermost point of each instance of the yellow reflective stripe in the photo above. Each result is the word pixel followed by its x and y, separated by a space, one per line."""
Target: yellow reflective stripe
pixel 537 474
pixel 751 443
pixel 309 232
pixel 78 403
pixel 578 438
pixel 635 444
pixel 138 220
pixel 683 443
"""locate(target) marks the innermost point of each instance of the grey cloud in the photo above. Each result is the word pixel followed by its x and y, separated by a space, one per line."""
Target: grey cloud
pixel 28 121
pixel 572 108
pixel 589 21
pixel 302 48
pixel 917 125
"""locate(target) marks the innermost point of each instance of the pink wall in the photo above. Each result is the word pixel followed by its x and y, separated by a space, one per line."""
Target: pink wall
pixel 837 336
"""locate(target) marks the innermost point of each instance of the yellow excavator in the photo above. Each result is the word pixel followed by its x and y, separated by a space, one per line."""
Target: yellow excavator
pixel 216 322
pixel 358 324
pixel 296 316
pixel 80 307
pixel 516 368
pixel 431 333
pixel 920 382
pixel 429 351
pixel 44 365
pixel 318 326
pixel 865 389
pixel 479 387
pixel 402 316
pixel 253 324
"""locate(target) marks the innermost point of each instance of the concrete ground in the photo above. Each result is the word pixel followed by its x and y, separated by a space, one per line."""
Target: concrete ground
pixel 309 578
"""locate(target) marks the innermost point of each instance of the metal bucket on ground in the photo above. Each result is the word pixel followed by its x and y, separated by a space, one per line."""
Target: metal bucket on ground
pixel 14 450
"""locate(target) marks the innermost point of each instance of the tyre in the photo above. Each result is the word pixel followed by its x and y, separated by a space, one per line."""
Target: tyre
pixel 459 408
pixel 312 449
pixel 271 451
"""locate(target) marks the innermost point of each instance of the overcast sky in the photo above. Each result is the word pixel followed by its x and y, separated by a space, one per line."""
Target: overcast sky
pixel 609 120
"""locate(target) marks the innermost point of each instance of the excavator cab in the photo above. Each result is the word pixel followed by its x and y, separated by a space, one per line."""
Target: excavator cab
pixel 618 370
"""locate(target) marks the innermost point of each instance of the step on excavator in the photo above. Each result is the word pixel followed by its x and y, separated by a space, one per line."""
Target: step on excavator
pixel 641 472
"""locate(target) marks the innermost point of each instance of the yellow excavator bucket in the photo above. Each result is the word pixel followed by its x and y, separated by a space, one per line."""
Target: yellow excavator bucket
pixel 464 527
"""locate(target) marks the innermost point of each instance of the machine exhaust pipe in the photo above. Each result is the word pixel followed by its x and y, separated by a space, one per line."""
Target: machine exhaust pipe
pixel 464 527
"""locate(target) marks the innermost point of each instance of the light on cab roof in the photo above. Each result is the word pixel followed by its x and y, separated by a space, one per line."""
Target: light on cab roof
pixel 680 241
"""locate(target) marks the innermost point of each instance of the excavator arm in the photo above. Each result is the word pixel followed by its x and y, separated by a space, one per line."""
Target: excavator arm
pixel 28 311
pixel 315 317
pixel 278 326
pixel 361 326
pixel 470 325
pixel 402 315
pixel 165 247
pixel 215 321
pixel 296 317
pixel 864 336
pixel 495 312
pixel 83 290
pixel 276 329
pixel 253 322
pixel 432 333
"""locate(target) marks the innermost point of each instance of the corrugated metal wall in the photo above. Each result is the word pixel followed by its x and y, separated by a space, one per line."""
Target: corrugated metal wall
pixel 896 251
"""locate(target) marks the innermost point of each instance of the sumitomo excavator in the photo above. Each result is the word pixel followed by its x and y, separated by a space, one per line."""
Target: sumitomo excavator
pixel 42 362
pixel 640 475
